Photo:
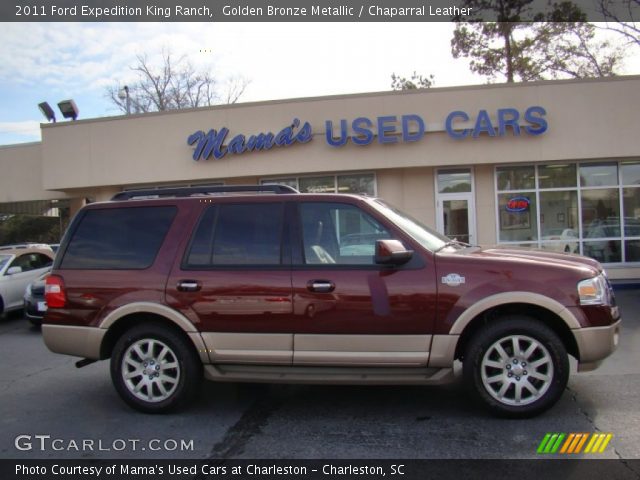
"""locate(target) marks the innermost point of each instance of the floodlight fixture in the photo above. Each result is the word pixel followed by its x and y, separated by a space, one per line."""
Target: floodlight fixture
pixel 123 95
pixel 68 108
pixel 47 111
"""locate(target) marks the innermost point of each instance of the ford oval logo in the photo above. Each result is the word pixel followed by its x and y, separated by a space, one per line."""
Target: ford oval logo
pixel 518 204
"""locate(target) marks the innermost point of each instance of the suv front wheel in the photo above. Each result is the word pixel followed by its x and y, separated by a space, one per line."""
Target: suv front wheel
pixel 517 365
pixel 155 369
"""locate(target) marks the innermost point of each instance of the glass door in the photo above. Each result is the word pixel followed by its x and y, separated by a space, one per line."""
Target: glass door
pixel 455 207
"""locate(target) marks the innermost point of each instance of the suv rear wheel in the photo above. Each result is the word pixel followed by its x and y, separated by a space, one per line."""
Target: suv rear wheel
pixel 155 369
pixel 517 365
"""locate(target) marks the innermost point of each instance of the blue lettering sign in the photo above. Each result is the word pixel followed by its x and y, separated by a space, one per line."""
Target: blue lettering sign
pixel 362 131
pixel 534 115
pixel 407 136
pixel 212 143
pixel 383 129
pixel 483 124
pixel 457 134
pixel 508 117
pixel 342 139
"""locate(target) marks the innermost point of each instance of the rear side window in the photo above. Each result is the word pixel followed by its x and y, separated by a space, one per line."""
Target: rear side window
pixel 118 238
pixel 238 234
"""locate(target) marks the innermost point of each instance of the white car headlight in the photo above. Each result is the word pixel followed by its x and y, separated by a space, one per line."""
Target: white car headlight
pixel 593 291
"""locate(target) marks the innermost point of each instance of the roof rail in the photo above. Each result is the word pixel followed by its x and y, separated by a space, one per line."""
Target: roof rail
pixel 18 246
pixel 190 191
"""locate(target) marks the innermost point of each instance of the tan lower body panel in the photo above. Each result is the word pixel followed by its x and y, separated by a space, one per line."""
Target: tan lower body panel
pixel 595 344
pixel 361 350
pixel 328 375
pixel 250 348
pixel 307 349
pixel 72 340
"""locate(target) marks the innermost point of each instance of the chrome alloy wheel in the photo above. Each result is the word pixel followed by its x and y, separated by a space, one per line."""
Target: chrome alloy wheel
pixel 517 370
pixel 150 370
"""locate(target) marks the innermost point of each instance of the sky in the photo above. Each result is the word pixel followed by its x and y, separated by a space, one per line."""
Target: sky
pixel 57 61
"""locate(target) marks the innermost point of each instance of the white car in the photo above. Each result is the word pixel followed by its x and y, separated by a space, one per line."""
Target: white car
pixel 561 239
pixel 19 266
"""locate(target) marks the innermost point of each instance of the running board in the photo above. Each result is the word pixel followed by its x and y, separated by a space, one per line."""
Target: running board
pixel 328 375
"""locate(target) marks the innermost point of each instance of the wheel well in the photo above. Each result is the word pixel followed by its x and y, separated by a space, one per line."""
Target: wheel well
pixel 129 321
pixel 547 317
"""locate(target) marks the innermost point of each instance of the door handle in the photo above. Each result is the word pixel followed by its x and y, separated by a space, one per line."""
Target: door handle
pixel 189 286
pixel 320 286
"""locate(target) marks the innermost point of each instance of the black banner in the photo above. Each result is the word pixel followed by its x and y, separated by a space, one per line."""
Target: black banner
pixel 313 11
pixel 585 469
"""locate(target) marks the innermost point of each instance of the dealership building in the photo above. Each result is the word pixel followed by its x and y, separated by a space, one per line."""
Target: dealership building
pixel 552 165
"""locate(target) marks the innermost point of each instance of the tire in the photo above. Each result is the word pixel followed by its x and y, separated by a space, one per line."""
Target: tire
pixel 164 372
pixel 512 383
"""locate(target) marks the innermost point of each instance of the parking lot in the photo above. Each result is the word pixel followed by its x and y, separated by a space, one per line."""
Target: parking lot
pixel 58 411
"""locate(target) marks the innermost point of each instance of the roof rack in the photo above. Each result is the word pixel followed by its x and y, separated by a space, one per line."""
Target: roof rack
pixel 19 246
pixel 190 191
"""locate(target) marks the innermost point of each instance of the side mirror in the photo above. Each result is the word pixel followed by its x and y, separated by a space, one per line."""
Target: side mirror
pixel 14 270
pixel 392 252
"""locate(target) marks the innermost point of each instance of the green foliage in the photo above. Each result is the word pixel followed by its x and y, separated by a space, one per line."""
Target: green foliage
pixel 558 44
pixel 416 82
pixel 26 228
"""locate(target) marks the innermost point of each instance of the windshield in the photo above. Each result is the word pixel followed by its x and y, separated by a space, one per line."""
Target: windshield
pixel 428 238
pixel 3 260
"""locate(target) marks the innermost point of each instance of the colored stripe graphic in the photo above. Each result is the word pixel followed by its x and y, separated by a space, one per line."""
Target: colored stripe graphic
pixel 573 443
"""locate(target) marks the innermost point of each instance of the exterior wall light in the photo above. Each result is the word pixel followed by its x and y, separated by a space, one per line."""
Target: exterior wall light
pixel 68 109
pixel 47 111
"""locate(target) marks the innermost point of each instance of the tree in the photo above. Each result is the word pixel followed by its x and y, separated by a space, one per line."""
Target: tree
pixel 623 14
pixel 417 81
pixel 174 85
pixel 27 228
pixel 555 44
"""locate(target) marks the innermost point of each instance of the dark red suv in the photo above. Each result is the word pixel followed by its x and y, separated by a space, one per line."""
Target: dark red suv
pixel 264 284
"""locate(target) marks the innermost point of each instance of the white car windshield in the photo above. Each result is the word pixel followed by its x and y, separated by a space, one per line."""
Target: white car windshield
pixel 4 259
pixel 428 238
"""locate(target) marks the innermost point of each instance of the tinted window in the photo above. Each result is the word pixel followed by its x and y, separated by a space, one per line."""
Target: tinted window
pixel 335 233
pixel 123 238
pixel 31 261
pixel 4 259
pixel 246 234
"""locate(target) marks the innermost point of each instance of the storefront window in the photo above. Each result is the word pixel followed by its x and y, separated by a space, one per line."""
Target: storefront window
pixel 516 178
pixel 291 182
pixel 631 205
pixel 631 173
pixel 559 221
pixel 317 184
pixel 600 213
pixel 632 250
pixel 359 183
pixel 605 251
pixel 556 176
pixel 596 216
pixel 598 174
pixel 454 181
pixel 518 217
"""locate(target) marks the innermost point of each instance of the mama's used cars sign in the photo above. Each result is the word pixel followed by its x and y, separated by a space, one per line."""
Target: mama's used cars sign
pixel 363 131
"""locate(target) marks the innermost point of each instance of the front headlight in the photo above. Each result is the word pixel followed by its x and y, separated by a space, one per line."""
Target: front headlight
pixel 593 291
